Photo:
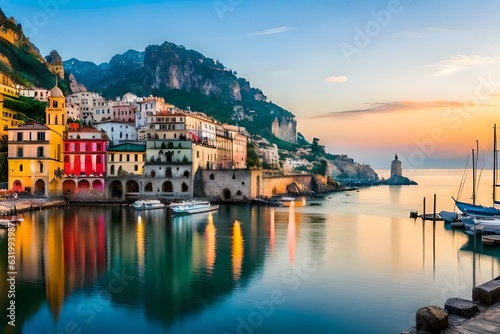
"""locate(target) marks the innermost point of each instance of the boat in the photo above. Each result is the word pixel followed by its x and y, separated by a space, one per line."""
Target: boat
pixel 193 206
pixel 476 210
pixel 485 225
pixel 10 221
pixel 480 210
pixel 288 200
pixel 147 204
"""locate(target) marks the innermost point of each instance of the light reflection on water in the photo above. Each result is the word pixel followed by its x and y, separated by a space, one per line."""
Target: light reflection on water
pixel 356 263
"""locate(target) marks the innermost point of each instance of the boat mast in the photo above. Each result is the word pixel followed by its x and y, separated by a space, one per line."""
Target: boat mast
pixel 494 162
pixel 473 179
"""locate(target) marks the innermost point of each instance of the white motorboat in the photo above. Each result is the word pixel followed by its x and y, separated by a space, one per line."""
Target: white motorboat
pixel 194 206
pixel 147 204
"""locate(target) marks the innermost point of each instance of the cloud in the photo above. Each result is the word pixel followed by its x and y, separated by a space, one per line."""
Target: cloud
pixel 458 63
pixel 271 31
pixel 396 106
pixel 336 79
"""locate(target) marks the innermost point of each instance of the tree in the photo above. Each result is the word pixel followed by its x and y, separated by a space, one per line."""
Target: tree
pixel 252 158
pixel 320 167
pixel 316 148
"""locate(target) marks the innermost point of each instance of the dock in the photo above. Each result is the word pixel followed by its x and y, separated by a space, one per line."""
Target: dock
pixel 491 240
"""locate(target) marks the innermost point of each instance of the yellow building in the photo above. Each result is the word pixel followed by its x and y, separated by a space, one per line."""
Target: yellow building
pixel 7 116
pixel 35 159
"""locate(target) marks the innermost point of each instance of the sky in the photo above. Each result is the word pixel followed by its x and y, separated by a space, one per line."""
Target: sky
pixel 369 79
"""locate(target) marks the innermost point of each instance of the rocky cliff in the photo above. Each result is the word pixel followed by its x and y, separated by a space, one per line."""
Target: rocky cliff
pixel 20 60
pixel 185 78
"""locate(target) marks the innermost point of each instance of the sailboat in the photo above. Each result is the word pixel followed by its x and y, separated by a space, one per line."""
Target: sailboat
pixel 480 210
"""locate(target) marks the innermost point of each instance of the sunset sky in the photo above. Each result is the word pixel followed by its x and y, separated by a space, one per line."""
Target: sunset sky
pixel 368 78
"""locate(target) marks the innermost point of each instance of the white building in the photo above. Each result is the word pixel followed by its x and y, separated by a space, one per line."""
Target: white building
pixel 93 107
pixel 40 94
pixel 117 131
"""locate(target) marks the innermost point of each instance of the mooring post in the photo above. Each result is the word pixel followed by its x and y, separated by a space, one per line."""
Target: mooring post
pixel 434 213
pixel 423 215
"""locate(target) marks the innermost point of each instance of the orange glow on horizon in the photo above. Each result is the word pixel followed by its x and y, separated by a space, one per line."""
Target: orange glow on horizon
pixel 438 130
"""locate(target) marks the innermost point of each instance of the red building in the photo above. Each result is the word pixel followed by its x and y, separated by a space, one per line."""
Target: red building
pixel 85 152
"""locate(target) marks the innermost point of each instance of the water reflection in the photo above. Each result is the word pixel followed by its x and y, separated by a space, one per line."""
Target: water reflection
pixel 210 244
pixel 292 243
pixel 237 250
pixel 166 266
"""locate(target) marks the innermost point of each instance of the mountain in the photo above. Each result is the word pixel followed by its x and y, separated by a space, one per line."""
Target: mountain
pixel 20 60
pixel 185 78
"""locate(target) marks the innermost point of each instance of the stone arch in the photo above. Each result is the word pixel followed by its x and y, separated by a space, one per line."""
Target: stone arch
pixel 39 187
pixel 167 187
pixel 97 185
pixel 69 186
pixel 132 186
pixel 84 185
pixel 17 186
pixel 186 174
pixel 185 187
pixel 149 187
pixel 116 189
pixel 153 173
pixel 226 194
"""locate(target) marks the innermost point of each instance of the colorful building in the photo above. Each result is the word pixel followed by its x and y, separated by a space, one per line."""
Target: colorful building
pixel 84 160
pixel 126 158
pixel 8 117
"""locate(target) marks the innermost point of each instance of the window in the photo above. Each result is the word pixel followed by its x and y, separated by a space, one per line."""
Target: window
pixel 21 168
pixel 136 168
pixel 128 157
pixel 54 105
pixel 41 167
pixel 99 159
pixel 66 158
pixel 19 152
pixel 99 146
pixel 40 136
pixel 19 136
pixel 39 152
pixel 111 157
pixel 136 157
pixel 112 170
pixel 121 157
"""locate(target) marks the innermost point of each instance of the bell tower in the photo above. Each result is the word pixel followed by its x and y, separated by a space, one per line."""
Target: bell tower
pixel 55 113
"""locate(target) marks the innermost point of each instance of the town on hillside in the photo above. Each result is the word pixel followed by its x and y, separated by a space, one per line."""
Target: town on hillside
pixel 91 149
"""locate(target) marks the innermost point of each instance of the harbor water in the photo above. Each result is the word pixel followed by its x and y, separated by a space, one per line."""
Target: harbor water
pixel 352 262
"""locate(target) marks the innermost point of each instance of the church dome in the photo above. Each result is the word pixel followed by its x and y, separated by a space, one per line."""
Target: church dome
pixel 56 92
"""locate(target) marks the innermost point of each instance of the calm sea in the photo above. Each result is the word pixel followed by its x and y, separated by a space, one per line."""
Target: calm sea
pixel 353 263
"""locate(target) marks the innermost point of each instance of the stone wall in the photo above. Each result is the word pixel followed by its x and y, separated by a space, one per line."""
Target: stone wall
pixel 274 185
pixel 232 185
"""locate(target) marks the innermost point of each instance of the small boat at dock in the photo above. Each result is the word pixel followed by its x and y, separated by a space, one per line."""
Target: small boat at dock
pixel 147 204
pixel 490 240
pixel 10 221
